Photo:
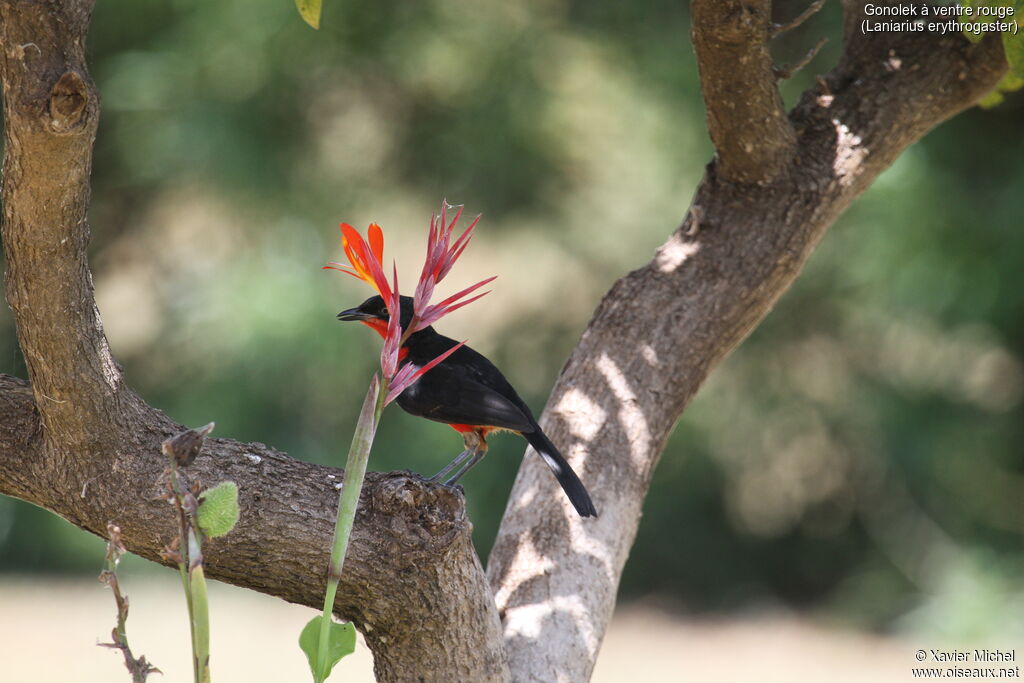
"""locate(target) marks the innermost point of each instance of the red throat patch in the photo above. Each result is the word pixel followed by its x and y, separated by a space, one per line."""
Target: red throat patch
pixel 377 325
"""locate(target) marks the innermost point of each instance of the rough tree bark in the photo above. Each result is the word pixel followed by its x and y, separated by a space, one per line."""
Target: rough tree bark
pixel 775 186
pixel 79 442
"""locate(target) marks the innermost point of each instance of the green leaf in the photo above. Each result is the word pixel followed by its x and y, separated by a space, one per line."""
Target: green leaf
pixel 341 642
pixel 309 10
pixel 218 509
pixel 1018 9
pixel 1014 47
pixel 993 99
pixel 1009 83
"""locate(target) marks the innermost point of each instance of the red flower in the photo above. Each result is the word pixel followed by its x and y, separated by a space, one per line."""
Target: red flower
pixel 365 258
pixel 441 256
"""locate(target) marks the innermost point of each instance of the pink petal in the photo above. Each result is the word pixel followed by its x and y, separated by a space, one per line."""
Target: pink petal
pixel 334 265
pixel 467 290
pixel 393 338
pixel 451 226
pixel 424 290
pixel 380 281
pixel 432 242
pixel 435 313
pixel 452 254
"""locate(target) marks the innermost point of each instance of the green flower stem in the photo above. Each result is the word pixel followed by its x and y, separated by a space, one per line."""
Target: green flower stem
pixel 192 580
pixel 200 610
pixel 186 585
pixel 348 500
pixel 178 489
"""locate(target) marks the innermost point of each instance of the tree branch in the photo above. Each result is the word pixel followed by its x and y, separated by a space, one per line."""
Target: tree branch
pixel 787 71
pixel 51 111
pixel 661 329
pixel 746 119
pixel 812 9
pixel 411 580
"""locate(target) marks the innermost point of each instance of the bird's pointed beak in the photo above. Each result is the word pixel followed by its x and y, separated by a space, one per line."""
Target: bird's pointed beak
pixel 353 314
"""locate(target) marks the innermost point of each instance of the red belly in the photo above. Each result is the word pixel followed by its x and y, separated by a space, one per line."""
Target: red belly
pixel 462 429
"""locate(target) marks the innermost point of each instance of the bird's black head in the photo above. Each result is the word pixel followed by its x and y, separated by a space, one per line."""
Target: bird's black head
pixel 374 313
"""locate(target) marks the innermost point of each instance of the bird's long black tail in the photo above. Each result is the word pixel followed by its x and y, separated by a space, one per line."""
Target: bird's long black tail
pixel 570 483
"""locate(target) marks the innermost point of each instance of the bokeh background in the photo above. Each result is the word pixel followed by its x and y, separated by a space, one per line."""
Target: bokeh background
pixel 856 467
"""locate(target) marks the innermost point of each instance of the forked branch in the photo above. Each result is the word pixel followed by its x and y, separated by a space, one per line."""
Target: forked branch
pixel 753 136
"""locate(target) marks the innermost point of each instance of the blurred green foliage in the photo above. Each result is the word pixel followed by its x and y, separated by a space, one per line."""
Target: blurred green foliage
pixel 862 454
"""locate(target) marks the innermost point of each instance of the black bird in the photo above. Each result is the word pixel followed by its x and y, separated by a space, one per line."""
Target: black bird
pixel 468 393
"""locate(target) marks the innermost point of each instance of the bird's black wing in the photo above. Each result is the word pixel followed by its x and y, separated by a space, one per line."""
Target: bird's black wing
pixel 449 393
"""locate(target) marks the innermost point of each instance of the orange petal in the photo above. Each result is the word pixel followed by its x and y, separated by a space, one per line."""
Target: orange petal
pixel 376 236
pixel 355 250
pixel 350 234
pixel 364 257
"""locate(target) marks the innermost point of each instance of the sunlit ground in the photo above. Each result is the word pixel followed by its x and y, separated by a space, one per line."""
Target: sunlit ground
pixel 49 629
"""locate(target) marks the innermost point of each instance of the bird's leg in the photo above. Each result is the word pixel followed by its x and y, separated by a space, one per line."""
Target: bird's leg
pixel 475 444
pixel 452 465
pixel 478 455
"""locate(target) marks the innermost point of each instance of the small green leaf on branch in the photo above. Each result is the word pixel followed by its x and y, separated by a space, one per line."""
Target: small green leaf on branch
pixel 218 509
pixel 1013 45
pixel 1010 83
